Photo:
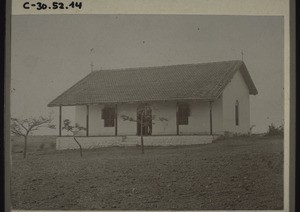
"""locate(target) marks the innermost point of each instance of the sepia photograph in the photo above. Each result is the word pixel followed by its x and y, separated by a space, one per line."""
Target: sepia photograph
pixel 147 112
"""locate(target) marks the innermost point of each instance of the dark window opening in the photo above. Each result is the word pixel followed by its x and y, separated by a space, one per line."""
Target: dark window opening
pixel 237 113
pixel 108 114
pixel 183 114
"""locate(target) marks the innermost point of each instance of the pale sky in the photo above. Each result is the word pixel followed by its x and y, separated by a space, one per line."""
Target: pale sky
pixel 52 52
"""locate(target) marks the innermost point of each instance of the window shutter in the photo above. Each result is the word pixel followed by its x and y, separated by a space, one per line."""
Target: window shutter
pixel 108 114
pixel 112 112
pixel 187 110
pixel 183 114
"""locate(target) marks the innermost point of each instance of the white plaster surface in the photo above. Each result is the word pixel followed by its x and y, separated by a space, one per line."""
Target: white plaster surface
pixel 63 143
pixel 236 90
pixel 223 115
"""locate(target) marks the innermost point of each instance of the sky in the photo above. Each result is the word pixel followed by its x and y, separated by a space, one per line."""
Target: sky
pixel 50 53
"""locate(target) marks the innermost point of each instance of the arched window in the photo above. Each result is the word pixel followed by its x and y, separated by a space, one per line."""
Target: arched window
pixel 237 113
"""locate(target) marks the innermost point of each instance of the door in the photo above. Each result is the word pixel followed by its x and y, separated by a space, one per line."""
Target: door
pixel 147 122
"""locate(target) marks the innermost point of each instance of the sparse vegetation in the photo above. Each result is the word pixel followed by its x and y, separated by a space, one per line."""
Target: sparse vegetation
pixel 48 142
pixel 52 145
pixel 273 130
pixel 227 175
pixel 230 135
pixel 75 130
pixel 25 127
pixel 42 146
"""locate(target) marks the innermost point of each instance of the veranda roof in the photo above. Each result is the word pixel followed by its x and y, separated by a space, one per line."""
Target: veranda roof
pixel 204 81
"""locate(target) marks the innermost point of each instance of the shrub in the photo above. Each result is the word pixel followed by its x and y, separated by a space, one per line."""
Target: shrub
pixel 273 130
pixel 53 145
pixel 231 135
pixel 42 146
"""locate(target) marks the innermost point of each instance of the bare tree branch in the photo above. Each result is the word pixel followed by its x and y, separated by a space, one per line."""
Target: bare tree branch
pixel 74 130
pixel 20 123
pixel 23 127
pixel 145 119
pixel 17 133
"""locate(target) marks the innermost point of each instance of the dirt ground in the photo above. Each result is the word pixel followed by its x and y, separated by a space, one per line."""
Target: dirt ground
pixel 239 173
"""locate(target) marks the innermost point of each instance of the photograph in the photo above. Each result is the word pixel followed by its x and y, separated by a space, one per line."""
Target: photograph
pixel 147 112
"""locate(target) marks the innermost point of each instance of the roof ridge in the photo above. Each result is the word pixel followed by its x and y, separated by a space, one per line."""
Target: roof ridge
pixel 164 66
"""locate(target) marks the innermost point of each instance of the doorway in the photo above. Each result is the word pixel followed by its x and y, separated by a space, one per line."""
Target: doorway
pixel 147 121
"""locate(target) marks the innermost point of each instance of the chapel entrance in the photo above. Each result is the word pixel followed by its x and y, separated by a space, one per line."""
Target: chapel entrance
pixel 147 120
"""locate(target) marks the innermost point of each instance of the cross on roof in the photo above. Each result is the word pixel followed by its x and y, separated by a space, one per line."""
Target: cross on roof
pixel 242 55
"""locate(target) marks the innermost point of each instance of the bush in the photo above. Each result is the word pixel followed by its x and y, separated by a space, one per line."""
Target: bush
pixel 228 135
pixel 53 145
pixel 42 146
pixel 273 130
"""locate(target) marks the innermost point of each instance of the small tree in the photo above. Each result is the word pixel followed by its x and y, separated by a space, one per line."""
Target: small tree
pixel 146 119
pixel 74 130
pixel 25 127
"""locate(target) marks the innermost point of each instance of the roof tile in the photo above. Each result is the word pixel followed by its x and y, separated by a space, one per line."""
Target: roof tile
pixel 176 82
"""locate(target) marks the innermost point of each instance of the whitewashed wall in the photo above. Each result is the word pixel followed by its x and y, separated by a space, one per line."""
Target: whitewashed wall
pixel 63 143
pixel 217 116
pixel 198 119
pixel 80 117
pixel 127 127
pixel 165 110
pixel 96 123
pixel 199 122
pixel 236 90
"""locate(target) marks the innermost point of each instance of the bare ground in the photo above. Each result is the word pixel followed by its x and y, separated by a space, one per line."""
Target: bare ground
pixel 240 173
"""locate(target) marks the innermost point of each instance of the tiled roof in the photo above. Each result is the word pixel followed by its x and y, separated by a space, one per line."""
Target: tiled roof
pixel 204 81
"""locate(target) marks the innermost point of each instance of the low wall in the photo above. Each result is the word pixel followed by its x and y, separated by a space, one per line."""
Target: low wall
pixel 63 143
